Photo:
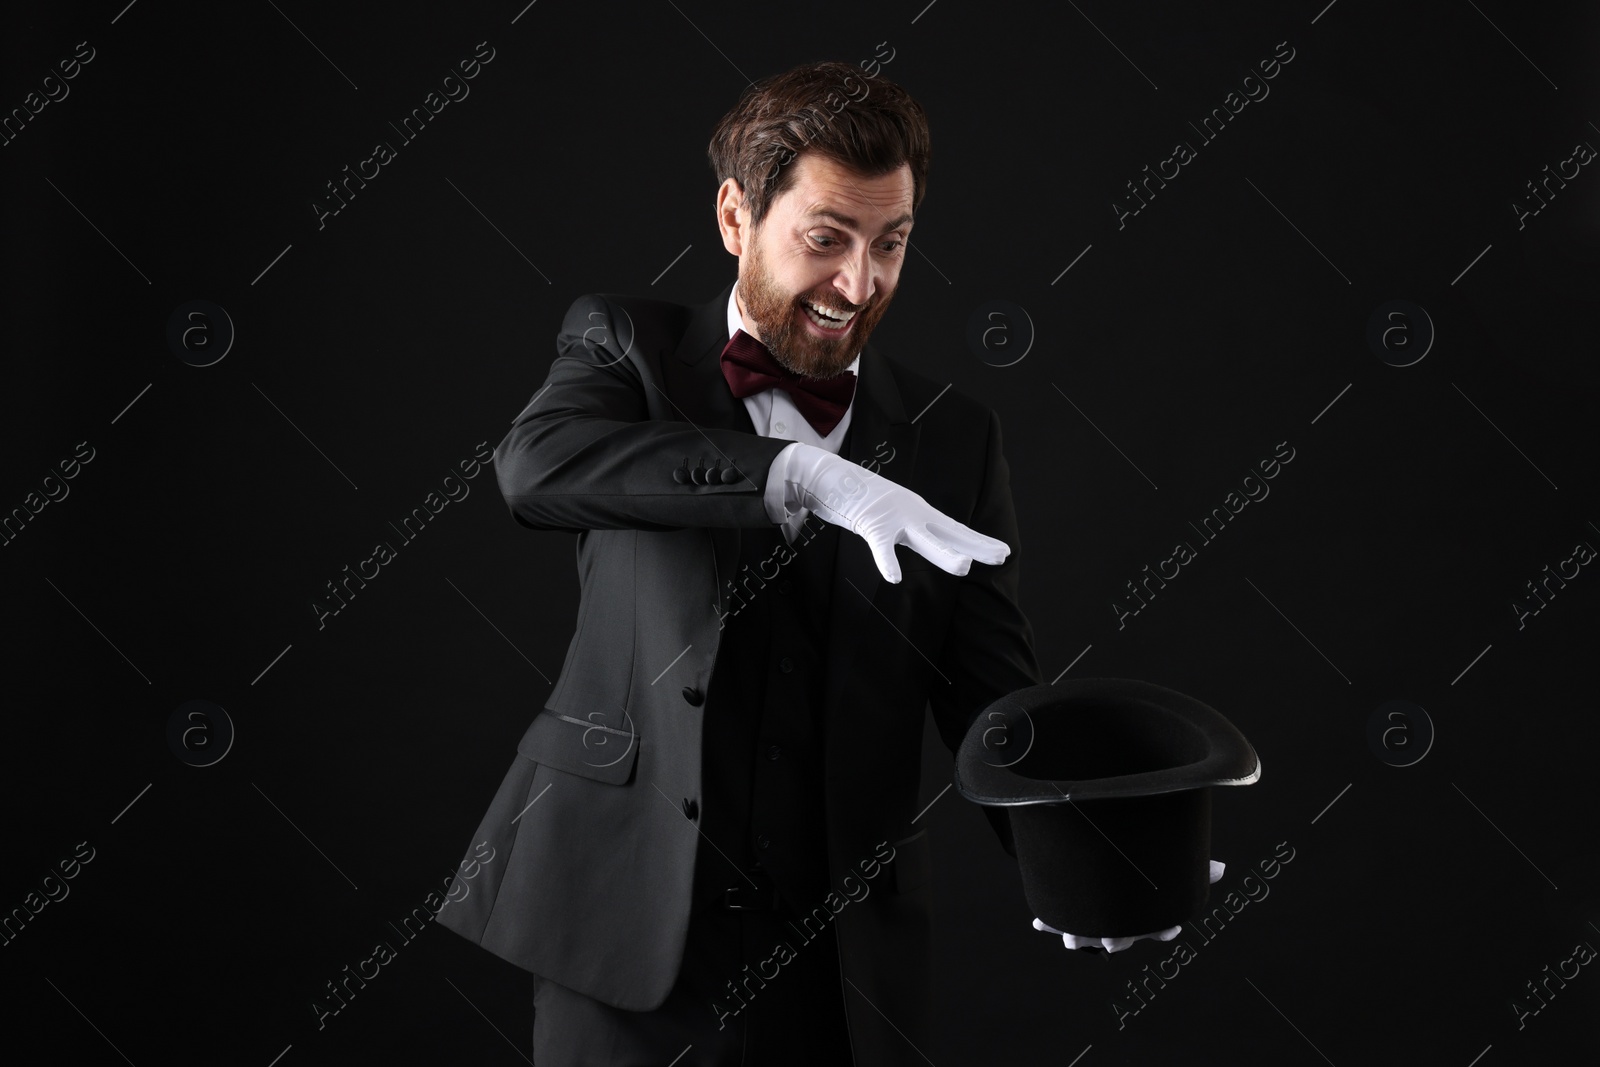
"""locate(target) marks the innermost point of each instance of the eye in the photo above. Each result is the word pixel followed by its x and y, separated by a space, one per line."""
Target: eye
pixel 894 246
pixel 819 237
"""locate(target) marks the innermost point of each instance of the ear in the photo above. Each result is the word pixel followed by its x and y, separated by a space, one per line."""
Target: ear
pixel 733 217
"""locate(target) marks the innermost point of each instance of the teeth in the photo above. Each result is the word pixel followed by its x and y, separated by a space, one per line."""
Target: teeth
pixel 827 324
pixel 830 314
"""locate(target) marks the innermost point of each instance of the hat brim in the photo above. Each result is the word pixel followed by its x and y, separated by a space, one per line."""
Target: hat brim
pixel 1097 739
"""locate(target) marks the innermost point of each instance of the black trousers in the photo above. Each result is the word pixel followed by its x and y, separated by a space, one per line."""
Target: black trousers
pixel 786 1006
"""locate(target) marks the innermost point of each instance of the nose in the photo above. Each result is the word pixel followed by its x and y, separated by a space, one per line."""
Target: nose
pixel 859 279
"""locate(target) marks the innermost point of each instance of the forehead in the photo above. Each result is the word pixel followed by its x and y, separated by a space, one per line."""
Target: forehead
pixel 824 184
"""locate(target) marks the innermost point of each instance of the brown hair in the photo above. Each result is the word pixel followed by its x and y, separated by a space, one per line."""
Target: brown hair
pixel 827 107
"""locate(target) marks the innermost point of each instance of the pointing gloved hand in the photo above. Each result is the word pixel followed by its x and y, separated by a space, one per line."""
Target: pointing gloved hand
pixel 1117 944
pixel 882 512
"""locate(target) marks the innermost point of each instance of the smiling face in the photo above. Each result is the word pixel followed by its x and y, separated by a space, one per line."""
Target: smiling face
pixel 835 239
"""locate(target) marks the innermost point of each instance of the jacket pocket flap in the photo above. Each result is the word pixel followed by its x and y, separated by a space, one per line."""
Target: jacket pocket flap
pixel 587 749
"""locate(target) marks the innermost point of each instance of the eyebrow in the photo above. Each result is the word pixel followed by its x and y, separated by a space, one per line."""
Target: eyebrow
pixel 846 220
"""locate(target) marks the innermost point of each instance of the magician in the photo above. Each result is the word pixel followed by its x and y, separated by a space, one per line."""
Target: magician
pixel 790 547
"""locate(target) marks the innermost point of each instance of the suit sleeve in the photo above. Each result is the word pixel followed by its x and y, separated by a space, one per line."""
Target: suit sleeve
pixel 601 444
pixel 988 648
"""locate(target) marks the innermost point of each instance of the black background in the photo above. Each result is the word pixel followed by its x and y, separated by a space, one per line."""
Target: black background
pixel 378 351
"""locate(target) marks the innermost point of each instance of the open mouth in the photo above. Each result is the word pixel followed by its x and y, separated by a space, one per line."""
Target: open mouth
pixel 827 321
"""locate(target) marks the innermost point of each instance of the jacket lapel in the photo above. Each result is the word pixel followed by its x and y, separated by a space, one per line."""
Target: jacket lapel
pixel 882 437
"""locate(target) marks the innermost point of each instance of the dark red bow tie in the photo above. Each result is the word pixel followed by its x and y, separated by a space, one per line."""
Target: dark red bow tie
pixel 750 368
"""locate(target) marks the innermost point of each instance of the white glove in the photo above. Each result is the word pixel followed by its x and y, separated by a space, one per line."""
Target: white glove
pixel 1117 944
pixel 882 512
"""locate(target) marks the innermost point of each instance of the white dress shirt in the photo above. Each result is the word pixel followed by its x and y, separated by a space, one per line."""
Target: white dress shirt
pixel 774 415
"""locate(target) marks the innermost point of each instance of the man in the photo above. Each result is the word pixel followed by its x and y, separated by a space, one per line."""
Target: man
pixel 706 847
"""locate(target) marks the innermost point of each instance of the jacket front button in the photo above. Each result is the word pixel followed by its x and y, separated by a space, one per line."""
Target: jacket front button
pixel 681 475
pixel 786 665
pixel 691 809
pixel 692 695
pixel 763 841
pixel 730 475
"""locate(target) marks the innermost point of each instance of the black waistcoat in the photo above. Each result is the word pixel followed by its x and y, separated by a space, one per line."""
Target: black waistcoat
pixel 762 779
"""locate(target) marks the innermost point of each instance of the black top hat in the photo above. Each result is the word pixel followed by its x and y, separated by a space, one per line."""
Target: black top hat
pixel 1107 781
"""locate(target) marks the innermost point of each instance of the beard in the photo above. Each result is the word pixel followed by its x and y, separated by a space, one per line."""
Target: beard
pixel 776 314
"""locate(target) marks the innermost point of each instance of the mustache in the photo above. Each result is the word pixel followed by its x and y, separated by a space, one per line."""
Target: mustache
pixel 835 307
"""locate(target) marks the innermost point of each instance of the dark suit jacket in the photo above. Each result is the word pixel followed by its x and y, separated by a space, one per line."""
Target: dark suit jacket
pixel 636 444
